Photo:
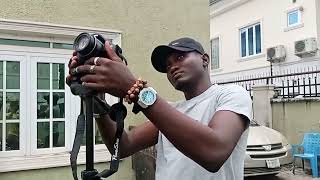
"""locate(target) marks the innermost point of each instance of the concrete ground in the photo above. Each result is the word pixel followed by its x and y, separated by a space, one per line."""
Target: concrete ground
pixel 286 175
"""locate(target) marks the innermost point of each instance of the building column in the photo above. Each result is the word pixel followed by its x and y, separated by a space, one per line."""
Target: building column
pixel 262 110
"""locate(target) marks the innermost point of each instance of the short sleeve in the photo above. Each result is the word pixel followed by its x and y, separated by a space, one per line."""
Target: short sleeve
pixel 236 99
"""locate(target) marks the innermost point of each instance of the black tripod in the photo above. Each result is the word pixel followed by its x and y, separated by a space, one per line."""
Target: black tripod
pixel 87 46
pixel 117 112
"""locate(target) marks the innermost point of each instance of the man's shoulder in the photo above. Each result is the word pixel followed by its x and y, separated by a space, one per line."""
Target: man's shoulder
pixel 213 94
pixel 231 88
pixel 235 98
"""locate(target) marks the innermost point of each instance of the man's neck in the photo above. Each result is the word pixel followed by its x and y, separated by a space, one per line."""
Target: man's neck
pixel 197 89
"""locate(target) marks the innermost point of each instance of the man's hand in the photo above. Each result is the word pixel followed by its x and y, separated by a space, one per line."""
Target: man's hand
pixel 106 75
pixel 72 65
pixel 112 75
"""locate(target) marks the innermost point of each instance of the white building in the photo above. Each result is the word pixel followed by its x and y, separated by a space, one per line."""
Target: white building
pixel 241 31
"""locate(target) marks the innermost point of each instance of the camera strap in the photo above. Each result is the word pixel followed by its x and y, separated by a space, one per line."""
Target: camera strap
pixel 118 112
pixel 77 141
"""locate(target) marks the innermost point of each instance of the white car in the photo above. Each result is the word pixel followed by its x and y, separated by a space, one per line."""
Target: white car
pixel 268 151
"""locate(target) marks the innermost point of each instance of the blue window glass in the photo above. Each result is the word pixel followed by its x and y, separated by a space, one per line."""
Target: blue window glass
pixel 258 38
pixel 250 40
pixel 293 17
pixel 243 44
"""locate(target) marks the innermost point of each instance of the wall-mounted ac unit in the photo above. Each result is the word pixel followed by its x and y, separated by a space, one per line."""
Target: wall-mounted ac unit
pixel 306 47
pixel 276 53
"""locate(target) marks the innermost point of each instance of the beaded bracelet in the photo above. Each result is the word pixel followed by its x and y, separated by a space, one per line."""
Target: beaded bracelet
pixel 133 92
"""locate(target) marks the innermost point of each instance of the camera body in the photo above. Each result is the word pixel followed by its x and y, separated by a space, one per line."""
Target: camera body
pixel 88 45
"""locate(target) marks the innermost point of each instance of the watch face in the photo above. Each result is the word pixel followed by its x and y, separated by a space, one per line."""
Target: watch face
pixel 148 97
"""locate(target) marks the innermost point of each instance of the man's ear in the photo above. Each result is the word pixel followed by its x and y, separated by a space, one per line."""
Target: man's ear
pixel 206 60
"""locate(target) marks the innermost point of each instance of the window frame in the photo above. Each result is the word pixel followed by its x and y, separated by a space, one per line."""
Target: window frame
pixel 245 29
pixel 298 20
pixel 219 53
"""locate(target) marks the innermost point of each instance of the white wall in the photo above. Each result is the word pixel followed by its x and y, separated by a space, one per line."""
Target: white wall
pixel 273 17
pixel 318 19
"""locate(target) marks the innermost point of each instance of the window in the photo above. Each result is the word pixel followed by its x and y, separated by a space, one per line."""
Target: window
pixel 17 42
pixel 250 40
pixel 62 46
pixel 38 113
pixel 28 43
pixel 10 106
pixel 294 17
pixel 97 136
pixel 215 55
pixel 50 105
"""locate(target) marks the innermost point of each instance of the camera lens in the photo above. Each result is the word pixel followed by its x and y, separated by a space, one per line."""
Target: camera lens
pixel 82 42
pixel 89 45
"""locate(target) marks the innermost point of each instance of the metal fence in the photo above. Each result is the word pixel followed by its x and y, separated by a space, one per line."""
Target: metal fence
pixel 211 2
pixel 288 84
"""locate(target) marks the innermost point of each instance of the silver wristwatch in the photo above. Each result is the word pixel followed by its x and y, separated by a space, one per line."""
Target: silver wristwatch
pixel 147 97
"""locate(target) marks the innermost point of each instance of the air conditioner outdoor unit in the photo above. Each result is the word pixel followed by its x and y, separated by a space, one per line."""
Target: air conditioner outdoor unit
pixel 306 47
pixel 276 53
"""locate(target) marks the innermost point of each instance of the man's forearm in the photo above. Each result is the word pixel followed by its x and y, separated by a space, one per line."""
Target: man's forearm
pixel 107 129
pixel 192 138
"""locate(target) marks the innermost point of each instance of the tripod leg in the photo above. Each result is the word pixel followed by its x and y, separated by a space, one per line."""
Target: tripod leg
pixel 90 173
pixel 89 133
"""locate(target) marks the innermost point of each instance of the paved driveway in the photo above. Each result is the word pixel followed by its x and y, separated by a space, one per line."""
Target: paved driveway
pixel 285 175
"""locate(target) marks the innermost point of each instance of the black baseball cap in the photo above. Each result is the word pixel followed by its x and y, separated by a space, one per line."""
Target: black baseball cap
pixel 160 54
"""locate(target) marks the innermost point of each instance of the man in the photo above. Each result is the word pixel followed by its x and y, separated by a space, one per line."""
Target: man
pixel 201 138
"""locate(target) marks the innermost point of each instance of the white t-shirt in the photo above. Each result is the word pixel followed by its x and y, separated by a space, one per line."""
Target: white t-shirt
pixel 171 164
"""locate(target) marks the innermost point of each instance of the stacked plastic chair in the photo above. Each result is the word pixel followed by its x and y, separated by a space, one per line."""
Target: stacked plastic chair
pixel 309 150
